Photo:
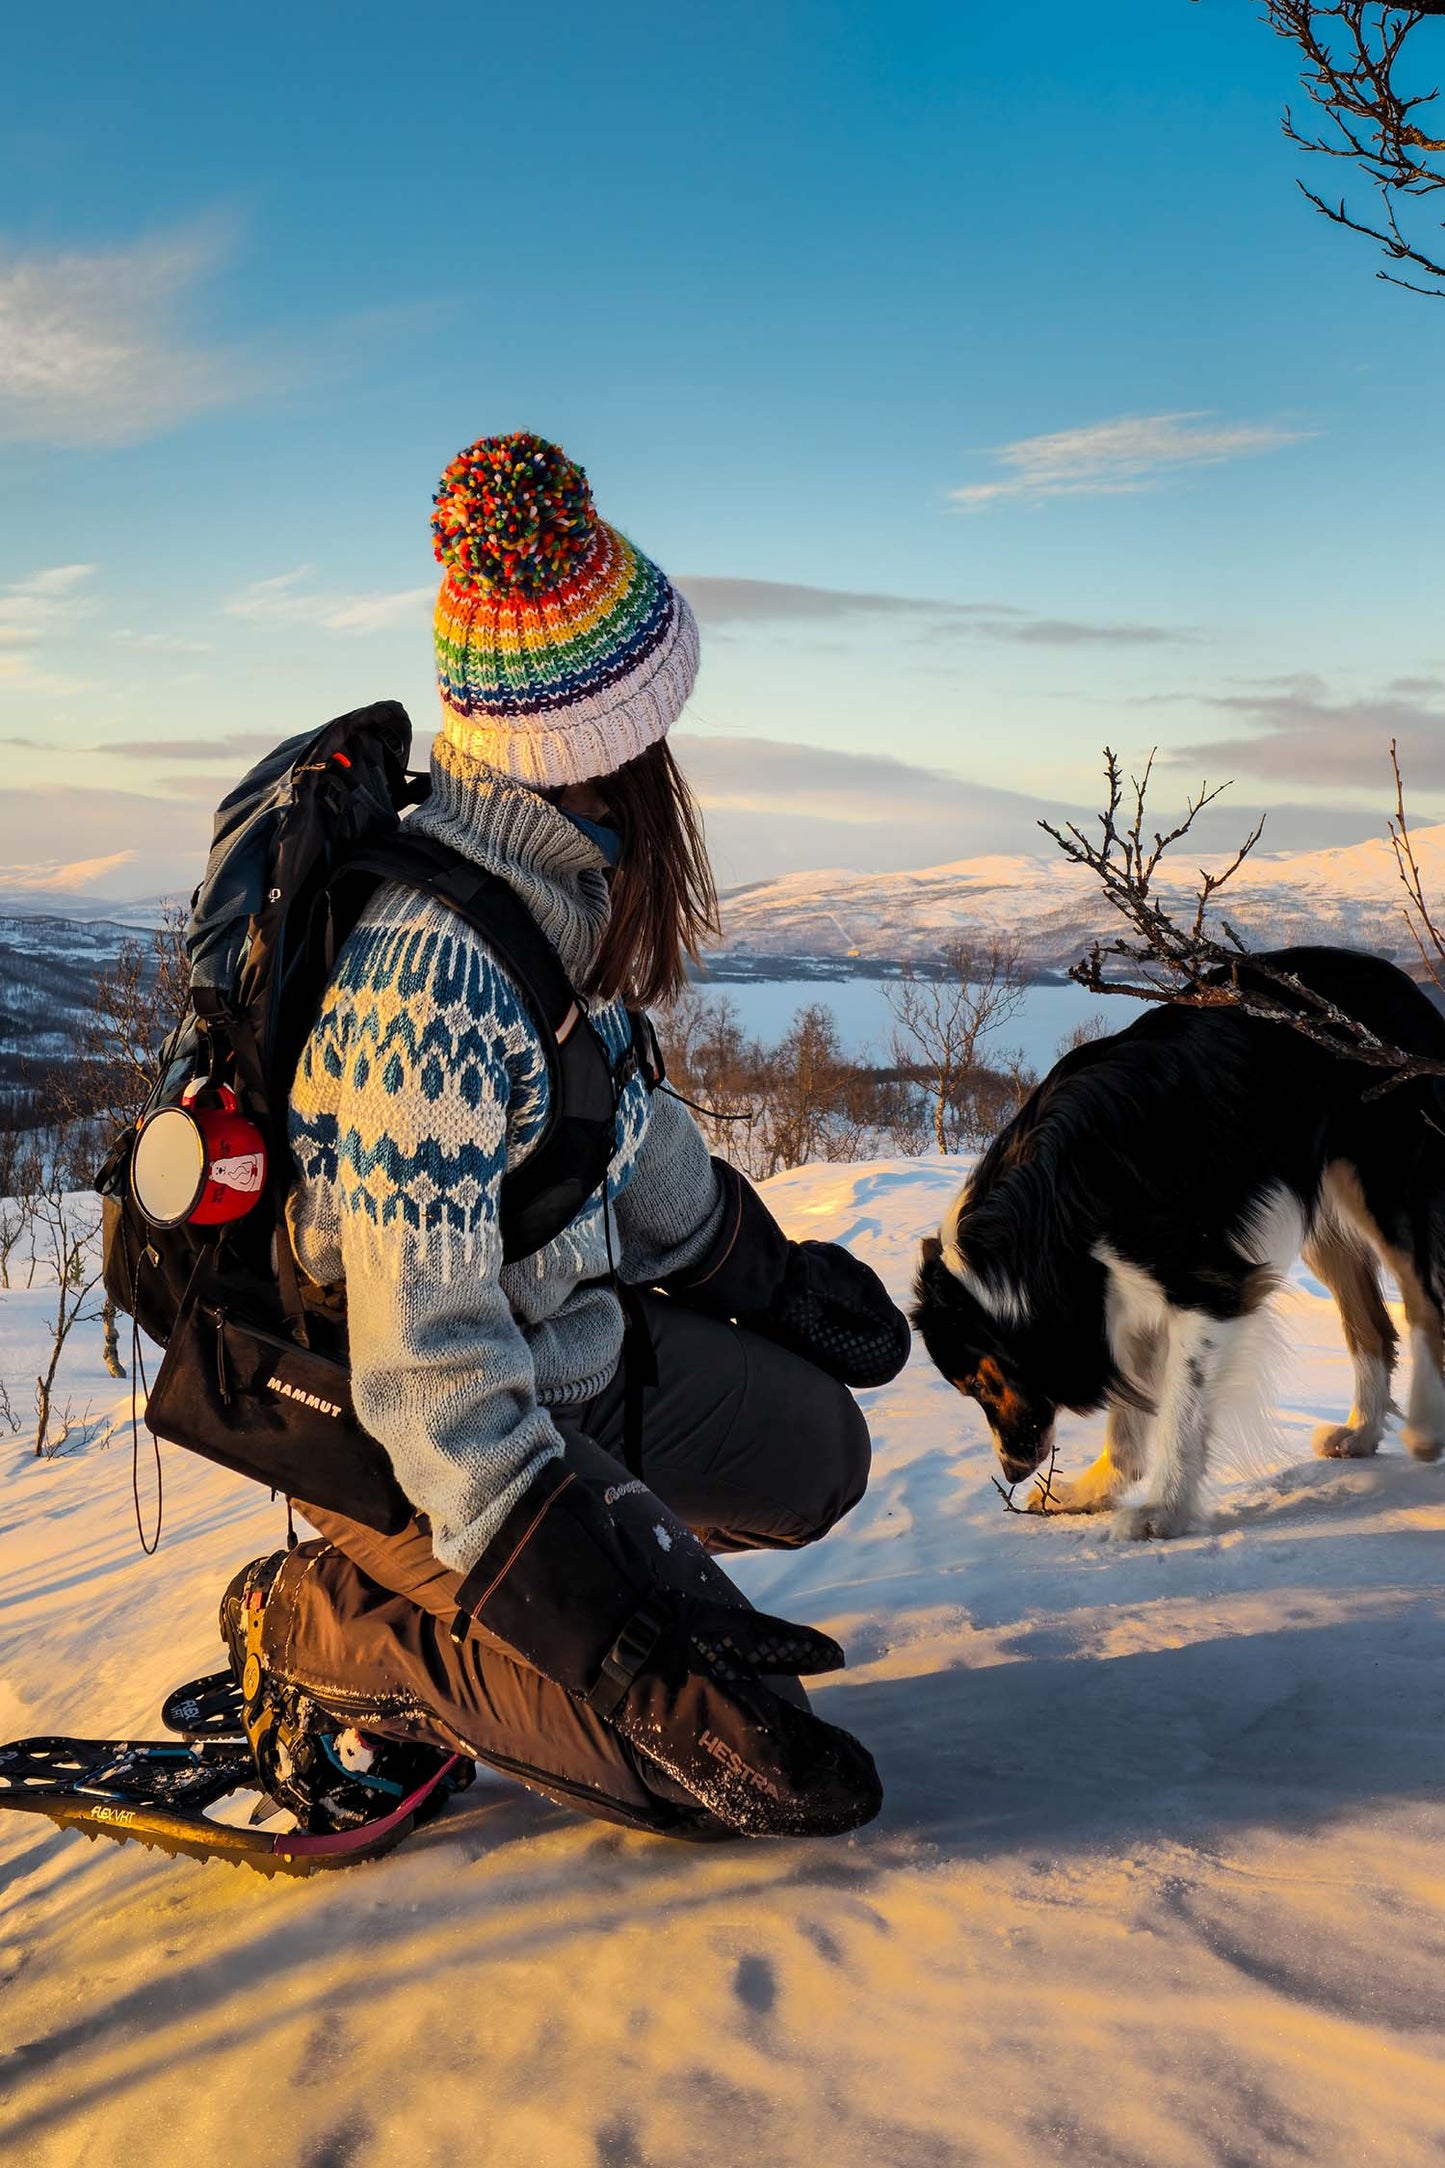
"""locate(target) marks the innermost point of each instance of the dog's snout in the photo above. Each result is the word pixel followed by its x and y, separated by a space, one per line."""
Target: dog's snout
pixel 1022 1453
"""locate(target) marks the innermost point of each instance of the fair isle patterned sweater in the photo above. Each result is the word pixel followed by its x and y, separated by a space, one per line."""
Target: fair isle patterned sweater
pixel 421 1083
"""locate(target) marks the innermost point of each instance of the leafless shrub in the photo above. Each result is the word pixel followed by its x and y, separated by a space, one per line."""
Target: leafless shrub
pixel 713 1064
pixel 770 1107
pixel 816 1103
pixel 65 1429
pixel 20 1181
pixel 942 1024
pixel 1372 108
pixel 1086 1033
pixel 806 1099
pixel 68 1247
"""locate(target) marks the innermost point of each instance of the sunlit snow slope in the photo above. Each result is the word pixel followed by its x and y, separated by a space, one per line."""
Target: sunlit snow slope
pixel 1160 1878
pixel 1350 894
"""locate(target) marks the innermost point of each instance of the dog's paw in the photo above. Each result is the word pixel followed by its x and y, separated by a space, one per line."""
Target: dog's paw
pixel 1138 1524
pixel 1062 1497
pixel 1343 1441
pixel 1422 1444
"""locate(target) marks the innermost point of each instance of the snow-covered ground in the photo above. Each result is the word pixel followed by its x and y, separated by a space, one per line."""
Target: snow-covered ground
pixel 1160 1877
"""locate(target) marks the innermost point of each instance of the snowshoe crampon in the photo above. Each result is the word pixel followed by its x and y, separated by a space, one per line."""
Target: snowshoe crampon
pixel 157 1792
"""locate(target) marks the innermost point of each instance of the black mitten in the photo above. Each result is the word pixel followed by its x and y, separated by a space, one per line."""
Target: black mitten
pixel 812 1297
pixel 677 1674
pixel 834 1309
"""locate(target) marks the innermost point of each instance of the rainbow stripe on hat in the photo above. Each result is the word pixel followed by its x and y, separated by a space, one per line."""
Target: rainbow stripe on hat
pixel 562 651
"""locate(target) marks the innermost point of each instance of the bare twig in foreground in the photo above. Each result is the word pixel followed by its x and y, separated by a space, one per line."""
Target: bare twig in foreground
pixel 1166 959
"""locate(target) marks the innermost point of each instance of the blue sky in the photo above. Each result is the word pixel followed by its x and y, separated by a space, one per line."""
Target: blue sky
pixel 983 375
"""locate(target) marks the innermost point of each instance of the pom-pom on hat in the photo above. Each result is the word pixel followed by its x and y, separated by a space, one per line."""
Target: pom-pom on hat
pixel 562 652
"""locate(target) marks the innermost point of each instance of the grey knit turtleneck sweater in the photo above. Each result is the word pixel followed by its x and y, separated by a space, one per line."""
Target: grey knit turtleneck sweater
pixel 421 1083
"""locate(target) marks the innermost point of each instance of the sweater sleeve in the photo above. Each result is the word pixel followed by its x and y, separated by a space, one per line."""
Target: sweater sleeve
pixel 672 1207
pixel 398 1126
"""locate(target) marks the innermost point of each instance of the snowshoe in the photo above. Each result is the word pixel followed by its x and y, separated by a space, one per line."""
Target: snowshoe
pixel 348 1795
pixel 157 1793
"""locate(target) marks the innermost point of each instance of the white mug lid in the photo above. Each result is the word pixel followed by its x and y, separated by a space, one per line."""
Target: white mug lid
pixel 168 1168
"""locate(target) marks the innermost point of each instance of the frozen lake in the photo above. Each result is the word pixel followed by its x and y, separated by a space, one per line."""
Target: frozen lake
pixel 1045 1017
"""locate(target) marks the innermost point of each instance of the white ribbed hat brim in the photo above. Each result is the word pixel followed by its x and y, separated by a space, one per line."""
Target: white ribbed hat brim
pixel 594 735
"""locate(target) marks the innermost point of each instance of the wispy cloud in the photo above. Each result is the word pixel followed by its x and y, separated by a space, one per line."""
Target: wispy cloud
pixel 162 643
pixel 92 349
pixel 66 836
pixel 239 745
pixel 762 602
pixel 31 609
pixel 1296 732
pixel 1120 458
pixel 729 602
pixel 288 600
pixel 49 876
pixel 761 774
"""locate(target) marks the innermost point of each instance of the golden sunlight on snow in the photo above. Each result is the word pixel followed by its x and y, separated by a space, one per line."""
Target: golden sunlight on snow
pixel 1159 1878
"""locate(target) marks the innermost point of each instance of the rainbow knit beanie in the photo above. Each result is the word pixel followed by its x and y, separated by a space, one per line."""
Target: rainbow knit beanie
pixel 562 652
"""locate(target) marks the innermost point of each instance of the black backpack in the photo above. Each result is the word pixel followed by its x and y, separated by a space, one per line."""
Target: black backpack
pixel 255 1374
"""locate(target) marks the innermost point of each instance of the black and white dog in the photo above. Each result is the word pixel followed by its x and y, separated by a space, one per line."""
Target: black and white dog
pixel 1120 1235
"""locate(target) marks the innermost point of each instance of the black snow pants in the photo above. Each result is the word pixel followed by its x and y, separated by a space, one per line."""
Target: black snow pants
pixel 748 1445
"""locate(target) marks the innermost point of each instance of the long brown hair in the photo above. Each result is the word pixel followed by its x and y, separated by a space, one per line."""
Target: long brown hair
pixel 664 904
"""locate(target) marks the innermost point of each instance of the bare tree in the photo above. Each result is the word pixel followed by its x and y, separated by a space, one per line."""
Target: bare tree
pixel 769 1107
pixel 712 1064
pixel 1086 1033
pixel 941 1025
pixel 809 1110
pixel 1361 75
pixel 138 1002
pixel 66 1237
pixel 1201 960
pixel 20 1179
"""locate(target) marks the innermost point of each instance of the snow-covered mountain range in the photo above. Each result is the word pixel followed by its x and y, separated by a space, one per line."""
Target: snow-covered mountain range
pixel 834 924
pixel 1350 894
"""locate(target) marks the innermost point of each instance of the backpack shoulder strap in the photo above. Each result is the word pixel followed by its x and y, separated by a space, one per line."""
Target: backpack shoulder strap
pixel 492 908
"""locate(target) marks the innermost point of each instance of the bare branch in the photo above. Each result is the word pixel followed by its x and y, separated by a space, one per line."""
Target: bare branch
pixel 1162 959
pixel 1418 916
pixel 1369 108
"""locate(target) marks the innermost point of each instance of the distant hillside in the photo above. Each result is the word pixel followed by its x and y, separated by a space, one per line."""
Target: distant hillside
pixel 78 906
pixel 1349 894
pixel 48 969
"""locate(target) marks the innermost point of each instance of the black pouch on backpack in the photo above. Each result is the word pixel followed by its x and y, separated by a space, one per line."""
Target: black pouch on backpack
pixel 265 1408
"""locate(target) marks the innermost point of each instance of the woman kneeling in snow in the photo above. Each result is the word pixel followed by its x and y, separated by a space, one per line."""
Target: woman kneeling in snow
pixel 553 1608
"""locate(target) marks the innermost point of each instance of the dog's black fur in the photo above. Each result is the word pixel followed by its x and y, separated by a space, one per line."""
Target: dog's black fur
pixel 1159 1147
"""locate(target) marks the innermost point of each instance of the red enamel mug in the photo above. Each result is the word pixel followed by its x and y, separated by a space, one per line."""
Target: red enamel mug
pixel 202 1165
